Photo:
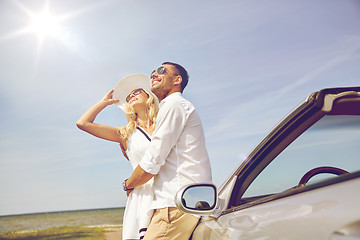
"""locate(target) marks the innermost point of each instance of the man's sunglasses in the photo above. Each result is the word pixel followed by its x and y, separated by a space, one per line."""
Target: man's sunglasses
pixel 134 93
pixel 159 70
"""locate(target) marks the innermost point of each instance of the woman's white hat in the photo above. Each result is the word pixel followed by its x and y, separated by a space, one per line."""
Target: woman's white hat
pixel 127 84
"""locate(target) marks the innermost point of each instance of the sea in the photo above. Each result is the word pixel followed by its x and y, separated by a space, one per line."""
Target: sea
pixel 38 221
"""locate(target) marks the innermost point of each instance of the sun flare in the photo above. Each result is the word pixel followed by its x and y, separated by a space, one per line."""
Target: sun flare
pixel 44 24
pixel 47 25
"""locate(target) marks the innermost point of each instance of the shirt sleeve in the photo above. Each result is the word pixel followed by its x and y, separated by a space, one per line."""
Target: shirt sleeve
pixel 170 123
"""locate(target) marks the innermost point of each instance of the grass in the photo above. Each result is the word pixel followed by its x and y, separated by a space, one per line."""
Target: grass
pixel 58 233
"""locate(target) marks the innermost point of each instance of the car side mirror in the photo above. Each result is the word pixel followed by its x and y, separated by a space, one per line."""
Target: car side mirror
pixel 199 199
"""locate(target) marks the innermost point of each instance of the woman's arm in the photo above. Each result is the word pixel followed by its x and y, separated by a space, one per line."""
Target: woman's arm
pixel 86 121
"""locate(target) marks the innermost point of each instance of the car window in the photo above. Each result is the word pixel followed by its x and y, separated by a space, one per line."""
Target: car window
pixel 333 141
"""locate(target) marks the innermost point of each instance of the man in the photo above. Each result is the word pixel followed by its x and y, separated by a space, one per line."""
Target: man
pixel 177 155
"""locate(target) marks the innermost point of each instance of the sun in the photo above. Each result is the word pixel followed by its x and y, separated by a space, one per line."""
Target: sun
pixel 44 24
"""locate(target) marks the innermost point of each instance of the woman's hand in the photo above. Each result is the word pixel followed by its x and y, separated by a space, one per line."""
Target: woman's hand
pixel 86 121
pixel 108 98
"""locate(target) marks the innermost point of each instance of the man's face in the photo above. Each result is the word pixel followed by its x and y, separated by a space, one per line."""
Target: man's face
pixel 162 80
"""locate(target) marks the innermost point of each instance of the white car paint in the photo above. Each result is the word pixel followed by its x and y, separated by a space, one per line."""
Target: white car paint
pixel 325 211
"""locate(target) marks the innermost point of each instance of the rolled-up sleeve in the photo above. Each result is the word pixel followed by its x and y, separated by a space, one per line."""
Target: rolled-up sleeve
pixel 170 123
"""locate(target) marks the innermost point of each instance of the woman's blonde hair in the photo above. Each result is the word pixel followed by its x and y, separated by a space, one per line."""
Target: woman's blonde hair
pixel 151 112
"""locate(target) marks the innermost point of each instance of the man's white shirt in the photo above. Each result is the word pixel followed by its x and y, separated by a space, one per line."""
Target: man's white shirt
pixel 177 154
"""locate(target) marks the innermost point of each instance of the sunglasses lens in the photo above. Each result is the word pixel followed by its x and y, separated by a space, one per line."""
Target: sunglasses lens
pixel 160 70
pixel 133 93
pixel 137 92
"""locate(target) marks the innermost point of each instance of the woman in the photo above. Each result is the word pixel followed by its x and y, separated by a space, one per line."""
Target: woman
pixel 140 106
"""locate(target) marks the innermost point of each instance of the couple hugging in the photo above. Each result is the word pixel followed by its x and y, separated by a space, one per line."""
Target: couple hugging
pixel 164 142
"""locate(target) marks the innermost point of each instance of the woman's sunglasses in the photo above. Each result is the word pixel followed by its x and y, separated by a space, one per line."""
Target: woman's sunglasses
pixel 134 93
pixel 159 70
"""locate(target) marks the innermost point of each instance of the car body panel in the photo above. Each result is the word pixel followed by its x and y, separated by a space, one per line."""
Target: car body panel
pixel 321 210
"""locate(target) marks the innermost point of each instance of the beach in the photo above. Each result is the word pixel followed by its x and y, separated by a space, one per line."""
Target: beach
pixel 61 233
pixel 98 223
pixel 113 236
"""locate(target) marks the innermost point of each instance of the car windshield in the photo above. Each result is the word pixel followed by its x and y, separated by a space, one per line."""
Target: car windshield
pixel 333 141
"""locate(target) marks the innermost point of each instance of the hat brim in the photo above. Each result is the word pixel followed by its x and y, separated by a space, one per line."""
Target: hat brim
pixel 127 84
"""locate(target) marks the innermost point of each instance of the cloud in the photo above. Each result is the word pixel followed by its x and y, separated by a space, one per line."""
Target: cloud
pixel 327 59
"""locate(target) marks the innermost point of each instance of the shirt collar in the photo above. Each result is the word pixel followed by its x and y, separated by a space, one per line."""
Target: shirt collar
pixel 171 96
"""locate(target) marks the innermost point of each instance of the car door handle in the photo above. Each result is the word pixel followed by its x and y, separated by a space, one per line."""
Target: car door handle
pixel 347 232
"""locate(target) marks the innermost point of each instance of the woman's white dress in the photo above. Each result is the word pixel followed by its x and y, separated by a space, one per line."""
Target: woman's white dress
pixel 137 211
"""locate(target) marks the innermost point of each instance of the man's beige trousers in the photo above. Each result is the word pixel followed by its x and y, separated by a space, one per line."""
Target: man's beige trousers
pixel 170 224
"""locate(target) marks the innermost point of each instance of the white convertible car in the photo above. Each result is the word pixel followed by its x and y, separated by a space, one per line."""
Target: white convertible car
pixel 302 181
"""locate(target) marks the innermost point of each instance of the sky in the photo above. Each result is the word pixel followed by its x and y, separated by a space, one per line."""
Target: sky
pixel 250 63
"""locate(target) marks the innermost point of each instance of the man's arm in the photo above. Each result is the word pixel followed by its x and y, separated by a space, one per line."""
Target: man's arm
pixel 170 122
pixel 137 178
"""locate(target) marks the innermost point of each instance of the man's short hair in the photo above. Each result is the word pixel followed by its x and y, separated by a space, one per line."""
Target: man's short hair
pixel 182 72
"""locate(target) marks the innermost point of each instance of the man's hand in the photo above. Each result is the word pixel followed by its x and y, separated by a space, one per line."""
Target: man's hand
pixel 128 192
